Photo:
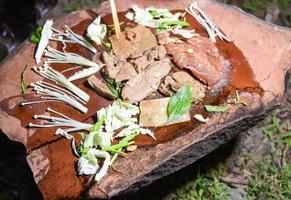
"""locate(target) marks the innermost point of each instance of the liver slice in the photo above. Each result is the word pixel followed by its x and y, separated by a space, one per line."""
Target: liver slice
pixel 267 48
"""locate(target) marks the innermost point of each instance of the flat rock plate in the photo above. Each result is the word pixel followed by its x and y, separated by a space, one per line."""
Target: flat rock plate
pixel 267 48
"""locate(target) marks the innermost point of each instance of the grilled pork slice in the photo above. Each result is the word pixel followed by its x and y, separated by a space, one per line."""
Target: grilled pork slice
pixel 141 63
pixel 117 69
pixel 153 113
pixel 174 82
pixel 133 42
pixel 200 56
pixel 146 82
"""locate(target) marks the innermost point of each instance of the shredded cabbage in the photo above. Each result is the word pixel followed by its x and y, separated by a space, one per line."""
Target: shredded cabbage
pixel 97 31
pixel 151 17
pixel 134 128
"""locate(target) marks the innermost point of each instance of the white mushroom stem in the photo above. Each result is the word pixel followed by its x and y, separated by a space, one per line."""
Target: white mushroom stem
pixel 201 17
pixel 55 56
pixel 73 38
pixel 85 73
pixel 46 34
pixel 60 79
pixel 52 121
pixel 51 94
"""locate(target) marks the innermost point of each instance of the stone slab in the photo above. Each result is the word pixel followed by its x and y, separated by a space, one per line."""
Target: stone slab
pixel 268 50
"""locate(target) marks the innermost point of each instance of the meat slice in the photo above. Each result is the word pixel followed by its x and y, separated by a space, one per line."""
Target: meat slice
pixel 201 57
pixel 116 68
pixel 100 87
pixel 133 42
pixel 153 113
pixel 155 54
pixel 146 82
pixel 126 72
pixel 174 82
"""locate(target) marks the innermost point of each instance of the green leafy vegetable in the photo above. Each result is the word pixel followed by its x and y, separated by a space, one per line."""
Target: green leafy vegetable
pixel 98 124
pixel 210 108
pixel 177 22
pixel 35 37
pixel 179 103
pixel 114 88
pixel 22 82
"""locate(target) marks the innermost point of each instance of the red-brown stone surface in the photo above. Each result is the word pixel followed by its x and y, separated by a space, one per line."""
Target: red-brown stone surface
pixel 267 48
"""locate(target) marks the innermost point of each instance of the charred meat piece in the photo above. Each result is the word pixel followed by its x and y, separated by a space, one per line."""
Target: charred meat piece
pixel 174 82
pixel 201 57
pixel 133 42
pixel 146 82
pixel 100 87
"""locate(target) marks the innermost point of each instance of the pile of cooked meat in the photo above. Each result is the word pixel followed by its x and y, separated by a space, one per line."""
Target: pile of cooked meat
pixel 142 64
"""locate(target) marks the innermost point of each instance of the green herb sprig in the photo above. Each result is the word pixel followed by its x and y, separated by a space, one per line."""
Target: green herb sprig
pixel 179 103
pixel 114 88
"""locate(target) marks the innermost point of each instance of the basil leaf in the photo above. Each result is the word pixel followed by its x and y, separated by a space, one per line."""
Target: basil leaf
pixel 180 103
pixel 114 88
pixel 22 82
pixel 35 37
pixel 210 108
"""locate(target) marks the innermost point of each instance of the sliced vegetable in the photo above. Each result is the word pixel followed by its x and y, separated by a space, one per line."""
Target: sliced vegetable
pixel 185 33
pixel 68 137
pixel 46 34
pixel 134 128
pixel 151 17
pixel 22 81
pixel 97 31
pixel 179 103
pixel 210 108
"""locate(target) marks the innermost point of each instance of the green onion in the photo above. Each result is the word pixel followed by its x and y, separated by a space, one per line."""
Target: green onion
pixel 22 82
pixel 178 22
pixel 210 108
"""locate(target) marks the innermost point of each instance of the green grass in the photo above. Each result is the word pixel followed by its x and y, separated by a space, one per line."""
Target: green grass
pixel 202 188
pixel 273 181
pixel 269 180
